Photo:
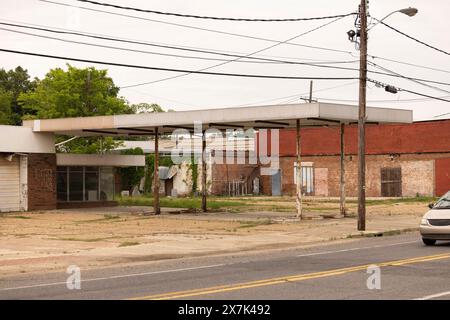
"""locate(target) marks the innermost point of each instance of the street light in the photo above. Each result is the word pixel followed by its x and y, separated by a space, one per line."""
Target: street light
pixel 410 12
pixel 362 105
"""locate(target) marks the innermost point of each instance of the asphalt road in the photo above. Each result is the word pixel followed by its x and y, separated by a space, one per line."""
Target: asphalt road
pixel 408 270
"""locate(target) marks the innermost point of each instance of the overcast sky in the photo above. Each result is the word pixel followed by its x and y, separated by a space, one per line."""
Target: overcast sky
pixel 431 25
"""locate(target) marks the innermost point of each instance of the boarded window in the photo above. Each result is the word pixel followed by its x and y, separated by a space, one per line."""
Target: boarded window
pixel 391 182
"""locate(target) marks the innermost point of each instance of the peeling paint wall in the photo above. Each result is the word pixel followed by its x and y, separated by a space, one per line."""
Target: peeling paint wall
pixel 417 178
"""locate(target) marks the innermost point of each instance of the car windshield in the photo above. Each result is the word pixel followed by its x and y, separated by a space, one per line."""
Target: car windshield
pixel 444 202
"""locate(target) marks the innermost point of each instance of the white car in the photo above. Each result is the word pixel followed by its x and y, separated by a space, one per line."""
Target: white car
pixel 435 224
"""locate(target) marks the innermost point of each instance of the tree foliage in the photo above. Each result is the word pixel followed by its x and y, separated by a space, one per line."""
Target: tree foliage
pixel 5 107
pixel 131 176
pixel 74 93
pixel 12 84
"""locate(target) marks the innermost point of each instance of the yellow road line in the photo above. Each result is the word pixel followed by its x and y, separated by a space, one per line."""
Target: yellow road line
pixel 284 279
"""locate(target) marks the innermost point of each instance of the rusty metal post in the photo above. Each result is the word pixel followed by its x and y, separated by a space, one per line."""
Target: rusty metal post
pixel 156 206
pixel 204 188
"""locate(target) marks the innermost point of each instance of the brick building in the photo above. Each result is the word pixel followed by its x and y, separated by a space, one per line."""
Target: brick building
pixel 402 160
pixel 34 177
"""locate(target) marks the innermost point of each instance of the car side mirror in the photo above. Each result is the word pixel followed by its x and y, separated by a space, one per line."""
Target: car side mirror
pixel 431 205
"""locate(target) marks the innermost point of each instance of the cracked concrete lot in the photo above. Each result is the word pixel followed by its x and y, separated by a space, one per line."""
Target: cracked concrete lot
pixel 51 240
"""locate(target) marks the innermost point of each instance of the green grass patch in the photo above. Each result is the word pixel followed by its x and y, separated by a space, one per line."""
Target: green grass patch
pixel 128 244
pixel 20 217
pixel 188 203
pixel 254 223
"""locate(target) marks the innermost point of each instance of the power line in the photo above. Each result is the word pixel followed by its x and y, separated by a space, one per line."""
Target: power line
pixel 383 101
pixel 127 49
pixel 441 115
pixel 210 17
pixel 411 79
pixel 246 56
pixel 297 95
pixel 161 45
pixel 408 64
pixel 406 90
pixel 175 70
pixel 197 28
pixel 412 38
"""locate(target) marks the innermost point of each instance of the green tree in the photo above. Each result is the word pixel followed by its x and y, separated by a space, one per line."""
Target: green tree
pixel 5 107
pixel 146 108
pixel 15 82
pixel 131 176
pixel 76 93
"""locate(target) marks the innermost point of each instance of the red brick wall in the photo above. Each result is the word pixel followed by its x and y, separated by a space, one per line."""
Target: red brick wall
pixel 442 167
pixel 41 181
pixel 419 137
pixel 222 173
pixel 417 173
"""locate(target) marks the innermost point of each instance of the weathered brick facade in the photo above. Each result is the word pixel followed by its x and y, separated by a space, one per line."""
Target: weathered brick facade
pixel 421 150
pixel 418 174
pixel 41 181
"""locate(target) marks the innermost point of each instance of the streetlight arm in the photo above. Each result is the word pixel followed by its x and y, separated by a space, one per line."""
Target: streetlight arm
pixel 408 11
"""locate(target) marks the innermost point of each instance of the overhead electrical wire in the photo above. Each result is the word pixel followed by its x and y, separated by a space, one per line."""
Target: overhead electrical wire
pixel 410 79
pixel 379 83
pixel 412 38
pixel 130 49
pixel 383 101
pixel 297 95
pixel 174 70
pixel 246 56
pixel 197 28
pixel 161 45
pixel 261 60
pixel 211 17
pixel 408 64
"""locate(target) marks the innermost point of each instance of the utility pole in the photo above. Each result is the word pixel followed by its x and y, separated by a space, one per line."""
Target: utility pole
pixel 342 172
pixel 362 118
pixel 310 91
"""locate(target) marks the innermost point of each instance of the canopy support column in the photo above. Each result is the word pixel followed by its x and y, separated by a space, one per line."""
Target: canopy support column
pixel 299 172
pixel 156 206
pixel 204 188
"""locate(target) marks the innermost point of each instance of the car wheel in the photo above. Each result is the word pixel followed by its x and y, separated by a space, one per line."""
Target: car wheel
pixel 429 242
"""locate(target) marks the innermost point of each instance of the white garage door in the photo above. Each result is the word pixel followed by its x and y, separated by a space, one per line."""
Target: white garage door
pixel 9 184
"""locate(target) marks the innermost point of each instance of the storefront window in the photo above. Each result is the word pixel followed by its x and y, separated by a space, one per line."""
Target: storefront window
pixel 61 180
pixel 106 183
pixel 76 184
pixel 91 184
pixel 85 183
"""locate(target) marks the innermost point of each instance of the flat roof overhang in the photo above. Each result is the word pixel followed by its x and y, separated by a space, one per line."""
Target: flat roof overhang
pixel 258 117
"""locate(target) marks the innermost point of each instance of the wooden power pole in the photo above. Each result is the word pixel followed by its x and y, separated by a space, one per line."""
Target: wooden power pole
pixel 342 172
pixel 362 118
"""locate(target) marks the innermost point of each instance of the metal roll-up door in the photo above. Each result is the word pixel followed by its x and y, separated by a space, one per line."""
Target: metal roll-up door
pixel 9 184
